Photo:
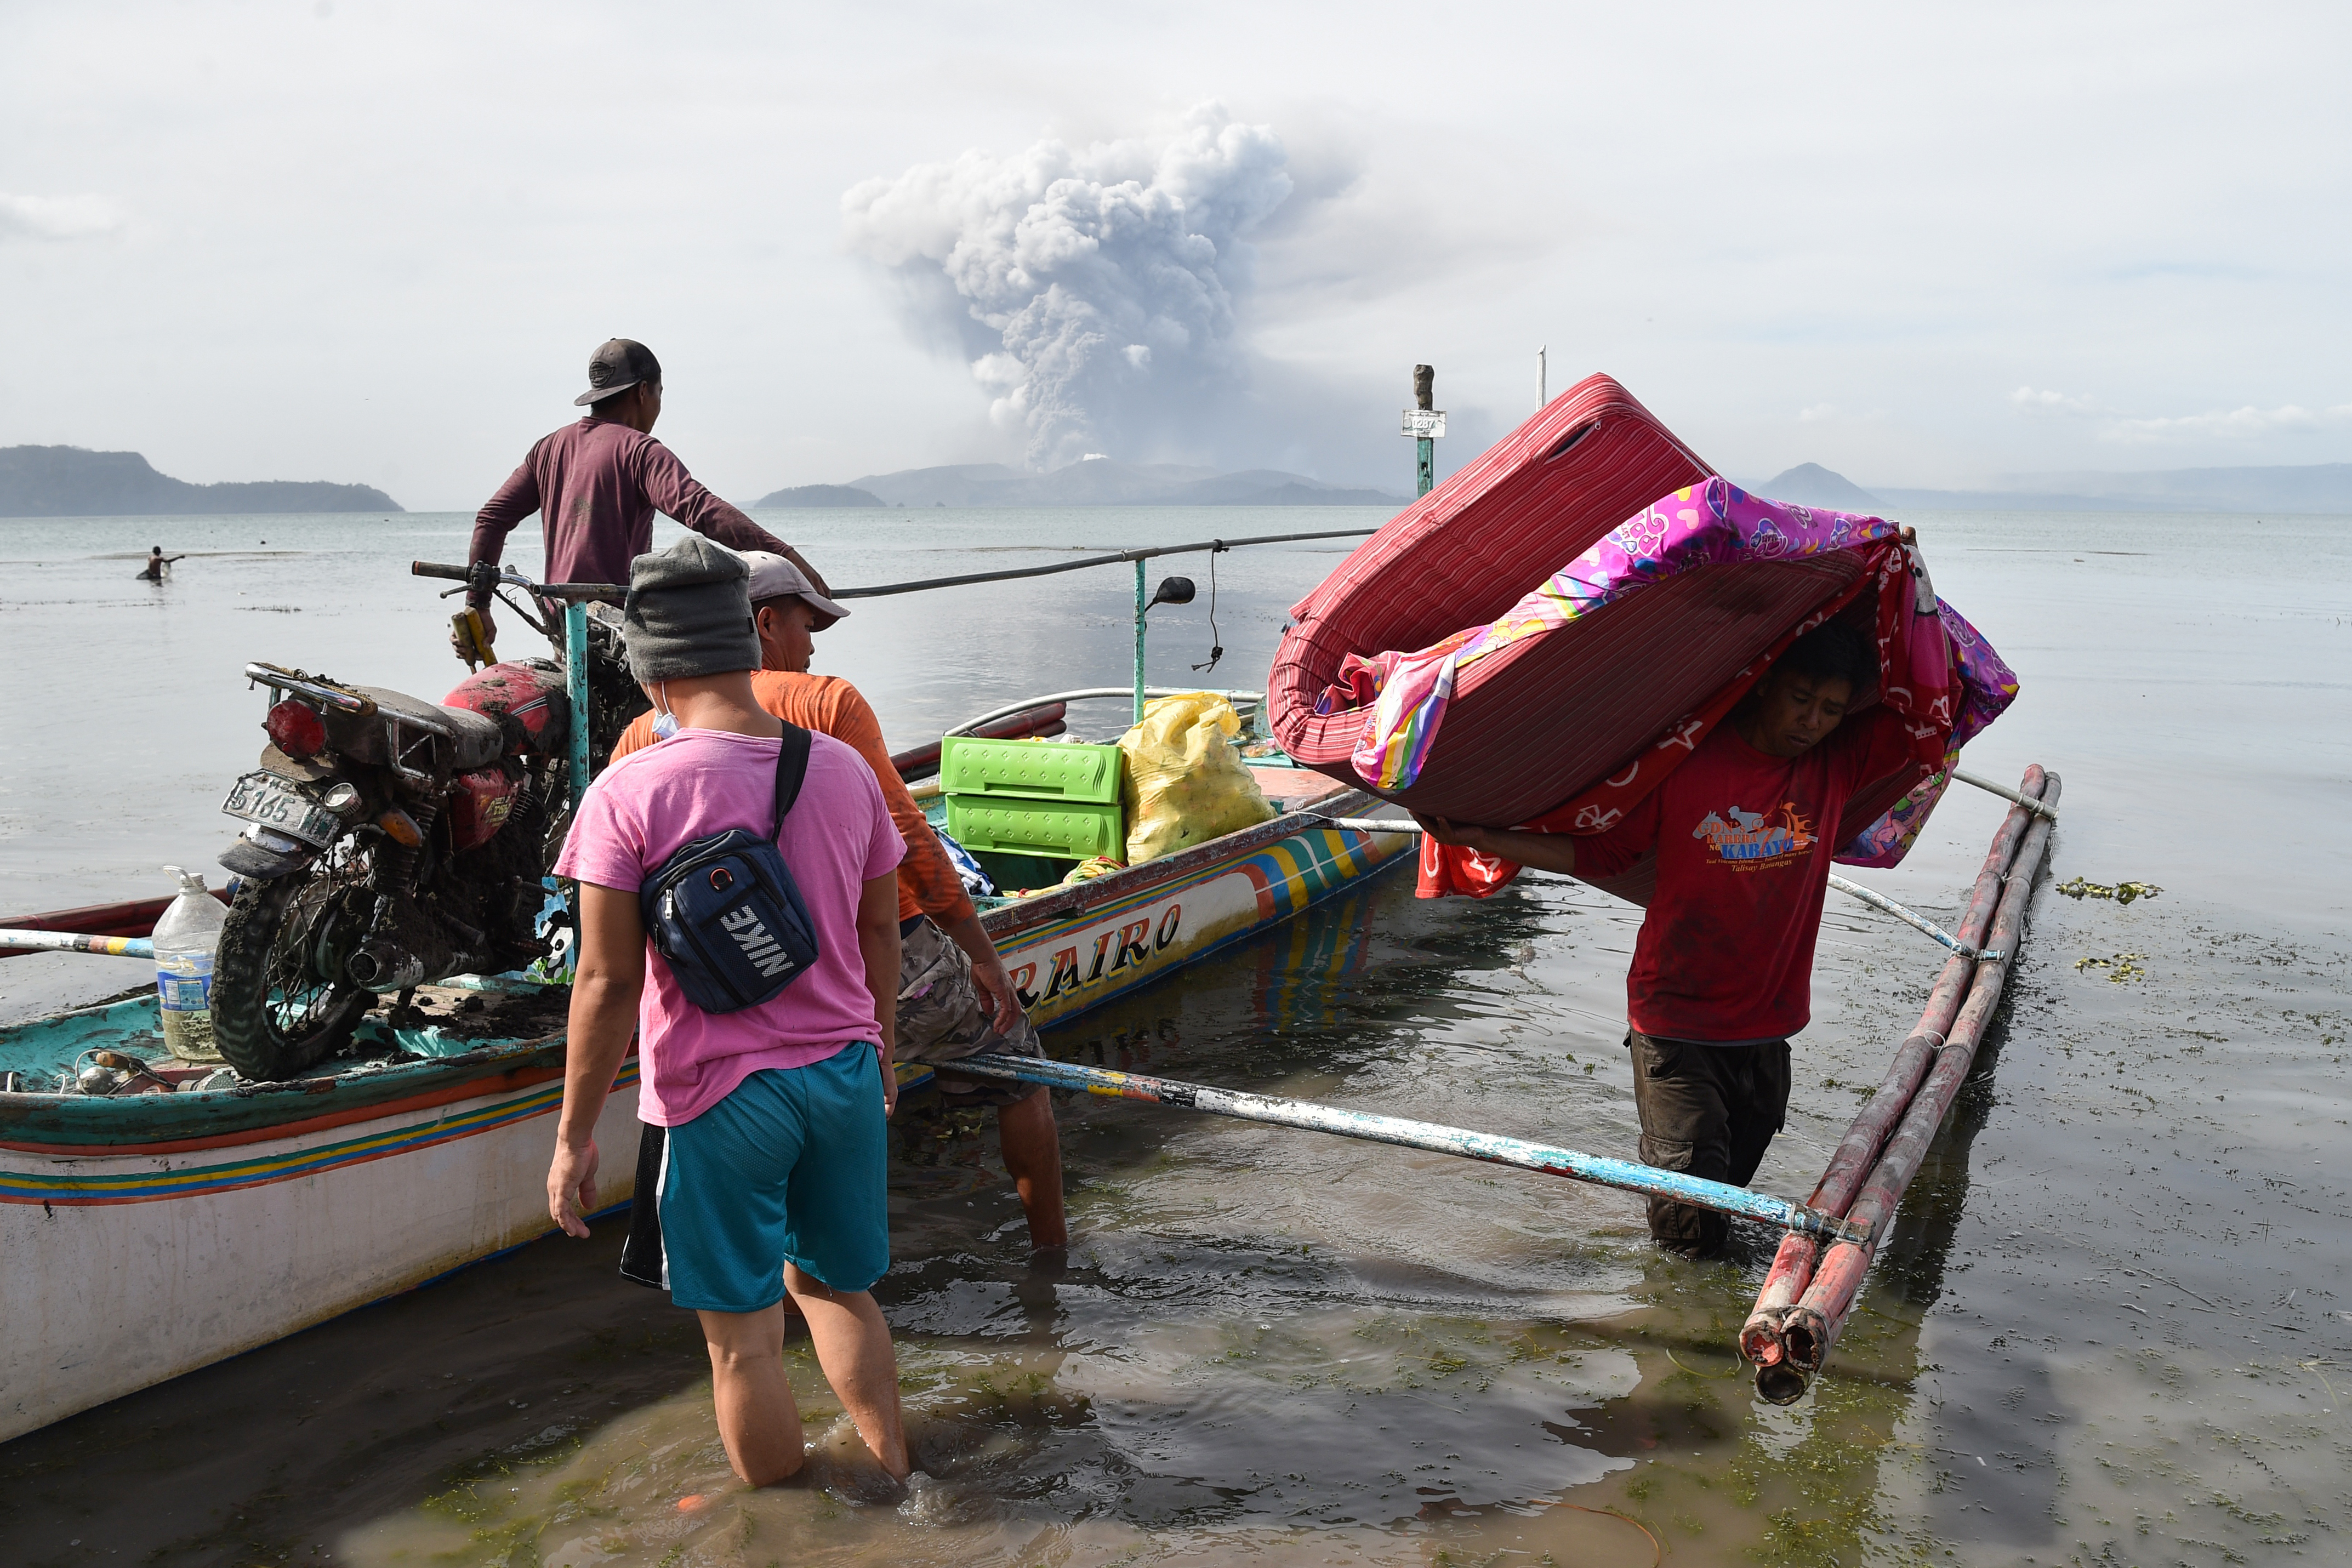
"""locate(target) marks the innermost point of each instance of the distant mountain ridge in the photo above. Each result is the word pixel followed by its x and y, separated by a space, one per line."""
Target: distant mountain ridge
pixel 819 496
pixel 2313 489
pixel 1810 485
pixel 1106 482
pixel 75 482
pixel 2303 489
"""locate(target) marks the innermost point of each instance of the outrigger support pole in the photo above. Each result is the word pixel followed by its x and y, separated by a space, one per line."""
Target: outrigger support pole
pixel 1493 1148
pixel 1916 921
pixel 1851 889
pixel 2039 808
pixel 73 942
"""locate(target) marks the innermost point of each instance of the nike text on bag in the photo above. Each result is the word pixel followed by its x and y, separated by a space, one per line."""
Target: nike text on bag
pixel 724 912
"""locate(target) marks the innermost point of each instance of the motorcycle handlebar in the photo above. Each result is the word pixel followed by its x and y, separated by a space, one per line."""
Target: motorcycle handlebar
pixel 489 575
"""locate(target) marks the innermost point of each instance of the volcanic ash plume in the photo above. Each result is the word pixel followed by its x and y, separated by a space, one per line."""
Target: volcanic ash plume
pixel 1091 289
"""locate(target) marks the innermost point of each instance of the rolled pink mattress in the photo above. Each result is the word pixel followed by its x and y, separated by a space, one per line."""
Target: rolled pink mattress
pixel 1540 640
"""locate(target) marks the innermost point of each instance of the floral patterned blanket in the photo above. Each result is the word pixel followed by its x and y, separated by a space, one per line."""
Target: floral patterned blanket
pixel 1937 672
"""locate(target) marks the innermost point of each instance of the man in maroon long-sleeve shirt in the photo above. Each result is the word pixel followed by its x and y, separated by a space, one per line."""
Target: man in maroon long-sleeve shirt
pixel 597 484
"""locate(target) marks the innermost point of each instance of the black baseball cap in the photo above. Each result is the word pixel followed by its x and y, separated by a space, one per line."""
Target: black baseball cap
pixel 618 364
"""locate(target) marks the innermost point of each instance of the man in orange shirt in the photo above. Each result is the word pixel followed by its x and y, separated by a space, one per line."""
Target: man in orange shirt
pixel 954 996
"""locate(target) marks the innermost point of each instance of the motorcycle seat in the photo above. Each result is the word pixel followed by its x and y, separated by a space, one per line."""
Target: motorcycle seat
pixel 476 739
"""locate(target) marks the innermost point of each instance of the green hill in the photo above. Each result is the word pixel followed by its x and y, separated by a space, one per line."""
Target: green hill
pixel 820 496
pixel 74 482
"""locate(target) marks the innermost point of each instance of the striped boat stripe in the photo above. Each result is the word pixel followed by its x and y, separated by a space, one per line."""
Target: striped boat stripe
pixel 1289 876
pixel 448 1093
pixel 69 1188
pixel 1301 870
pixel 1337 854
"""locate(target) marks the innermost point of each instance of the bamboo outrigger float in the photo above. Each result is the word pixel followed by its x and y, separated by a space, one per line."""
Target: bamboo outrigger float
pixel 1807 1297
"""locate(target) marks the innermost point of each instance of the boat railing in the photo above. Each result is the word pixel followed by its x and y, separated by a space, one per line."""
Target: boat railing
pixel 1173 590
pixel 1239 699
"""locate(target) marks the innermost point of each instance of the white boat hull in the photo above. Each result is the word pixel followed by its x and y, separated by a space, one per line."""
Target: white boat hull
pixel 118 1271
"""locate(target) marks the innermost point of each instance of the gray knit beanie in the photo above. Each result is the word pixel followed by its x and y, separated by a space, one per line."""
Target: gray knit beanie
pixel 689 613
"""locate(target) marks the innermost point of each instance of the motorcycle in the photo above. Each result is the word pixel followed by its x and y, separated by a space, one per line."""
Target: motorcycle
pixel 393 842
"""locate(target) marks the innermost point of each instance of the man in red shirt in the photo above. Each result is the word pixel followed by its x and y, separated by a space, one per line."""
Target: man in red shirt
pixel 597 485
pixel 1722 972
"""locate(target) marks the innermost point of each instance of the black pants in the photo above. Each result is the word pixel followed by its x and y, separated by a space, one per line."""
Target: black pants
pixel 1710 1111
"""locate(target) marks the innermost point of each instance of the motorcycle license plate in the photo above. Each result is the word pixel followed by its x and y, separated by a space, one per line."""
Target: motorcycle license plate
pixel 270 800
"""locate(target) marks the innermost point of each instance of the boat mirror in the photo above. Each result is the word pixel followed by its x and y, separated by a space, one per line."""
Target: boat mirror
pixel 1173 590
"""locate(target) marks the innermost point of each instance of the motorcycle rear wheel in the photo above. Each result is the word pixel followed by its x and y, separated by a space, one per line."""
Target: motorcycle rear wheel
pixel 273 1013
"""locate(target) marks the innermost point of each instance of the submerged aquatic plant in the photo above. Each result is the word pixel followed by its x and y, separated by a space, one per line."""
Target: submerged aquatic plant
pixel 2121 967
pixel 2122 891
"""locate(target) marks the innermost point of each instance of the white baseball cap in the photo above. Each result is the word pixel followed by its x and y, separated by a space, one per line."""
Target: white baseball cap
pixel 773 577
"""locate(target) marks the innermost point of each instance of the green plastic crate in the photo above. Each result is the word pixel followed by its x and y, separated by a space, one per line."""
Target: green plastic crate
pixel 1028 770
pixel 1063 829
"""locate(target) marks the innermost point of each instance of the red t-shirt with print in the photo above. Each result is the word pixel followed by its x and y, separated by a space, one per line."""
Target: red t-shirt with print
pixel 1725 953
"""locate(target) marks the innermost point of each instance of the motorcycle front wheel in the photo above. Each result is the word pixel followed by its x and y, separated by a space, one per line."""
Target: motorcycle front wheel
pixel 280 1002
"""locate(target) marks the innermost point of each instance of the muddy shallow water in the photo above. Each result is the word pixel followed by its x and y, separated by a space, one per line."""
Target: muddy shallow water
pixel 2113 1325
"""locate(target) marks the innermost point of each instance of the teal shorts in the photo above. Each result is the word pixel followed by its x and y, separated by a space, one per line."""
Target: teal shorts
pixel 789 1168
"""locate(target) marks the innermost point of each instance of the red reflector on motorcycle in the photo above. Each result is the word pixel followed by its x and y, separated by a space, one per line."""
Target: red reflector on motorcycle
pixel 295 730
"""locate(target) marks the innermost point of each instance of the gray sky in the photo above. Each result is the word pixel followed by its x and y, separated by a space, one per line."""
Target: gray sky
pixel 374 242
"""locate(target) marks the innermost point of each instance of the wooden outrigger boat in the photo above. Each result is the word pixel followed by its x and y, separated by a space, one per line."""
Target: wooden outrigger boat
pixel 212 1214
pixel 225 1213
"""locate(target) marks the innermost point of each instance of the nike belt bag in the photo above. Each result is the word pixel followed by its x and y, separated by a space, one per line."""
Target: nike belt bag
pixel 724 912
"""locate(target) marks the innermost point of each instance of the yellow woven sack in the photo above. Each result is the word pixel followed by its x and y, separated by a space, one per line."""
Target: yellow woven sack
pixel 1185 782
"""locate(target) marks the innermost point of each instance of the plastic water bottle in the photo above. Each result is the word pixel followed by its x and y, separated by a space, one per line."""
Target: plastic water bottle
pixel 185 940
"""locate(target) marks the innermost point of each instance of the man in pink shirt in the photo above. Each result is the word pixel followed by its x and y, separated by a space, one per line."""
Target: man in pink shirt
pixel 597 485
pixel 772 1178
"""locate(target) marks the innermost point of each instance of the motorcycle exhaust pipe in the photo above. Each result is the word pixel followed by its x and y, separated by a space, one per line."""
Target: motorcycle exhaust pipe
pixel 381 966
pixel 384 966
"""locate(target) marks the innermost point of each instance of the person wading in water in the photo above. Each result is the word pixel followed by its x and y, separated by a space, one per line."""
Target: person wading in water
pixel 772 1180
pixel 954 998
pixel 598 483
pixel 159 565
pixel 1722 972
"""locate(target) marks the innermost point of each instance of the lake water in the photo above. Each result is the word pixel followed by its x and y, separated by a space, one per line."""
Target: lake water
pixel 2114 1325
